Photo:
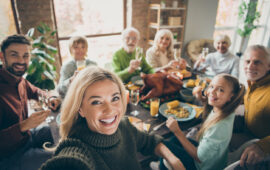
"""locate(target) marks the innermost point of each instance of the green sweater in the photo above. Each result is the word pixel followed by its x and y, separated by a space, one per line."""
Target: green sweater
pixel 121 60
pixel 85 149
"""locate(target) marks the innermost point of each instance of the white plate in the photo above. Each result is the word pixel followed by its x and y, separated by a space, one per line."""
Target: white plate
pixel 192 112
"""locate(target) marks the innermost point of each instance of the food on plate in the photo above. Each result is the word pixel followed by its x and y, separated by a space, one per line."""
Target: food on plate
pixel 179 112
pixel 160 83
pixel 192 83
pixel 173 104
pixel 131 86
pixel 139 124
pixel 185 73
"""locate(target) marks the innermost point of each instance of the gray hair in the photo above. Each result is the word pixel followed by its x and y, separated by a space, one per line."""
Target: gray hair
pixel 128 30
pixel 264 51
pixel 222 37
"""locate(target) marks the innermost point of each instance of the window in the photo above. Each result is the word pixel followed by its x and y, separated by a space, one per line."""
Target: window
pixel 7 23
pixel 100 21
pixel 227 22
pixel 261 35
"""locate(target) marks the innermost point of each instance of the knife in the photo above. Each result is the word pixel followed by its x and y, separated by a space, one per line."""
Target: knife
pixel 159 126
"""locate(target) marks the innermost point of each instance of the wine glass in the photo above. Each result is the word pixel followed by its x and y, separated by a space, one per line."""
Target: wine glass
pixel 177 56
pixel 205 52
pixel 135 98
pixel 44 102
pixel 81 64
pixel 138 55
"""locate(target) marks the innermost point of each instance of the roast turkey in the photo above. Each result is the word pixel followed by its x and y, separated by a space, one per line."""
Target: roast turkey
pixel 159 84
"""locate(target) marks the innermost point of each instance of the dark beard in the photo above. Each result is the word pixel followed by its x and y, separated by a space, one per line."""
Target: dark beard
pixel 16 73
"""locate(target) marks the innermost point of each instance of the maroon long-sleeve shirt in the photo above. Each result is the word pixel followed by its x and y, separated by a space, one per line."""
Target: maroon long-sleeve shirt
pixel 14 94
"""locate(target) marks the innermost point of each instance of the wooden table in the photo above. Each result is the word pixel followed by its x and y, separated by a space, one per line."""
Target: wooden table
pixel 163 131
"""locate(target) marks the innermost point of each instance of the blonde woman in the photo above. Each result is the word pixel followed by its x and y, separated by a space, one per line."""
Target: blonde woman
pixel 78 47
pixel 221 61
pixel 161 54
pixel 223 96
pixel 94 134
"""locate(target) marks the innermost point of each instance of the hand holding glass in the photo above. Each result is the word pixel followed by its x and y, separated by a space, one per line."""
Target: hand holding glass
pixel 81 64
pixel 44 102
pixel 138 55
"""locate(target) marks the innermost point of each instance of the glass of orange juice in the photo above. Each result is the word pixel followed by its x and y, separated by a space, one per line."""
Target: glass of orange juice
pixel 81 64
pixel 154 106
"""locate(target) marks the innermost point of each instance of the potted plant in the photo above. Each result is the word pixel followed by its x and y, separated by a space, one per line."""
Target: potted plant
pixel 41 71
pixel 247 14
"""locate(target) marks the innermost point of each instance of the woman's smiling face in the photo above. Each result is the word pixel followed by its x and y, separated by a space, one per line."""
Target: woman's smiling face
pixel 102 107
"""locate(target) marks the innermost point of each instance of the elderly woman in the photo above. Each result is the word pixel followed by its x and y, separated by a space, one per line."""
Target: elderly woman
pixel 78 49
pixel 94 134
pixel 161 54
pixel 124 63
pixel 221 61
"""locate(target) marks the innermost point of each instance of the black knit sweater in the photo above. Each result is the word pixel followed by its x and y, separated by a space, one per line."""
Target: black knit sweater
pixel 85 149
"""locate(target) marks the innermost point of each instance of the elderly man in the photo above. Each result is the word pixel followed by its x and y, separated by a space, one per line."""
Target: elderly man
pixel 125 64
pixel 21 142
pixel 256 121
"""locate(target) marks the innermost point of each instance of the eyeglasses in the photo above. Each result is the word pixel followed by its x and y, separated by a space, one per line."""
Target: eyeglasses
pixel 131 38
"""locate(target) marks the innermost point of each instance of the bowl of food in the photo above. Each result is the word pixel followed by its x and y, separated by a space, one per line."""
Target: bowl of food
pixel 186 95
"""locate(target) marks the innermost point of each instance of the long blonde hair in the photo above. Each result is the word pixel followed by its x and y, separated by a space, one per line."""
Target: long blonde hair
pixel 238 91
pixel 158 35
pixel 73 100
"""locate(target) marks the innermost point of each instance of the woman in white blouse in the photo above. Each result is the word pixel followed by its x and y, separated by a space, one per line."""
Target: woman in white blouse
pixel 221 61
pixel 161 54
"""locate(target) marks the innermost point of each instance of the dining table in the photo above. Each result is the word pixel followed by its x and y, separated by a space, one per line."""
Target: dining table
pixel 159 120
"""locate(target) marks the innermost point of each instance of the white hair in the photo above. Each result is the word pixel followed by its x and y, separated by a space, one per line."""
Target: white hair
pixel 222 37
pixel 128 30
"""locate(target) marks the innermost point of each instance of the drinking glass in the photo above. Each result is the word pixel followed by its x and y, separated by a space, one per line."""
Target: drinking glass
pixel 154 106
pixel 138 55
pixel 81 64
pixel 205 52
pixel 44 102
pixel 135 98
pixel 176 54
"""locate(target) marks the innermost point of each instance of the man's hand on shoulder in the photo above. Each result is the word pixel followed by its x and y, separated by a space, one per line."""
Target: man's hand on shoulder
pixel 252 155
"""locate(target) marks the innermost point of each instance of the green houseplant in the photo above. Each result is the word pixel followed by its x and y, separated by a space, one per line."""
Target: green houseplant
pixel 41 71
pixel 247 15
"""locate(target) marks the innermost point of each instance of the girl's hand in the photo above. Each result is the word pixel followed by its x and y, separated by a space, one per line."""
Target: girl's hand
pixel 197 92
pixel 172 124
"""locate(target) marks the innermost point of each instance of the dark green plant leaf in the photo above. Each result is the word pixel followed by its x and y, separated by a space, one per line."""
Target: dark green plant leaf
pixel 41 71
pixel 41 29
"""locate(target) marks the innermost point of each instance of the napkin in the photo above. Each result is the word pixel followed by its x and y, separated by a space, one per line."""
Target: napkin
pixel 139 124
pixel 198 109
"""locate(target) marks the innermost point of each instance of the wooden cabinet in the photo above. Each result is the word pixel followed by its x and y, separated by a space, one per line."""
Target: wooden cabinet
pixel 168 17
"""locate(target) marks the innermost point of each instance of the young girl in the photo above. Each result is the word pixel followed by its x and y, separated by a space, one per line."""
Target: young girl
pixel 223 96
pixel 78 49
